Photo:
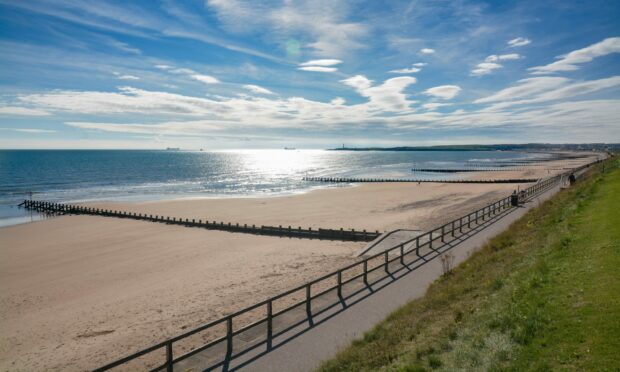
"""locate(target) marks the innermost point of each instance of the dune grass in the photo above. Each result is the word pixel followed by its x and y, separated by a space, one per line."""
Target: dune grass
pixel 544 295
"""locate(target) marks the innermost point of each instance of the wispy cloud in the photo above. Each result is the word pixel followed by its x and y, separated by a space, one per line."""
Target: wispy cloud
pixel 518 42
pixel 22 111
pixel 443 91
pixel 320 65
pixel 318 69
pixel 485 68
pixel 321 62
pixel 502 57
pixel 29 130
pixel 491 63
pixel 427 51
pixel 572 60
pixel 323 23
pixel 205 78
pixel 256 89
pixel 435 105
pixel 545 89
pixel 125 76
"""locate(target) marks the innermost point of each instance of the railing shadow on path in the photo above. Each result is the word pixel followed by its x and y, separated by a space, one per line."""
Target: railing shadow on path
pixel 392 275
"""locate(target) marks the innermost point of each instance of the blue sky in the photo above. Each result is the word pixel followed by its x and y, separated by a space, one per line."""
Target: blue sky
pixel 221 74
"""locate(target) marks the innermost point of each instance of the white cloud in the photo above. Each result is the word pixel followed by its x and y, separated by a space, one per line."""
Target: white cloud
pixel 29 130
pixel 490 63
pixel 570 61
pixel 387 106
pixel 322 23
pixel 22 111
pixel 502 57
pixel 443 91
pixel 388 96
pixel 518 42
pixel 525 88
pixel 322 62
pixel 435 105
pixel 410 70
pixel 359 82
pixel 205 78
pixel 545 89
pixel 256 89
pixel 163 67
pixel 127 77
pixel 318 69
pixel 427 51
pixel 420 64
pixel 485 68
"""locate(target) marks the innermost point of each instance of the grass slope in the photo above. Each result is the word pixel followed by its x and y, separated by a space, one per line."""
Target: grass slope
pixel 544 295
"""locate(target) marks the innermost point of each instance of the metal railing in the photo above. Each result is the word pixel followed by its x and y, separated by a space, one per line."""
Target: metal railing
pixel 219 351
pixel 349 281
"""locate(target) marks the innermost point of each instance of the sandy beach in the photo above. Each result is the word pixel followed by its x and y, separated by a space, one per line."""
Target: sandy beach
pixel 80 291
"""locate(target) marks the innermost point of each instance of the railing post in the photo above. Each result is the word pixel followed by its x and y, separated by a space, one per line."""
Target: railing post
pixel 417 246
pixel 269 324
pixel 385 265
pixel 442 234
pixel 366 272
pixel 430 240
pixel 309 305
pixel 402 254
pixel 339 289
pixel 452 229
pixel 229 341
pixel 469 221
pixel 169 357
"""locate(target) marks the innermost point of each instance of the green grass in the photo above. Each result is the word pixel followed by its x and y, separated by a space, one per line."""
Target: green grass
pixel 544 295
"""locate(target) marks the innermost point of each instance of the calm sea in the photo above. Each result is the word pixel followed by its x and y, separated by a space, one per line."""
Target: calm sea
pixel 77 175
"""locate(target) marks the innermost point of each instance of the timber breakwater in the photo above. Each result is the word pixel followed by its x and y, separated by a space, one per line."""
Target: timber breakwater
pixel 282 231
pixel 364 180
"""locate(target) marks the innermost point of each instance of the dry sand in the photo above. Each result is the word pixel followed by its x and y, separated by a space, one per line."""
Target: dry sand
pixel 79 291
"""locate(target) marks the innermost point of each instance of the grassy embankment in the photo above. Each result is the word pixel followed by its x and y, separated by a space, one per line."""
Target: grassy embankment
pixel 544 295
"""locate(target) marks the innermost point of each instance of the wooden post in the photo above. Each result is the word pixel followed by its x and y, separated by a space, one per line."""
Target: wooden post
pixel 366 272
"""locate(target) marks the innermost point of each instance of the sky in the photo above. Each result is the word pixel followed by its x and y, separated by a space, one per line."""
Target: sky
pixel 228 74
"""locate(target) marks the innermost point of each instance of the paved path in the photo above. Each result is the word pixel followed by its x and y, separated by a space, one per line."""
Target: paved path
pixel 305 351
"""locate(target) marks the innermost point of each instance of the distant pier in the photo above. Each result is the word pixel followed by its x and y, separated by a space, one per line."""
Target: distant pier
pixel 362 180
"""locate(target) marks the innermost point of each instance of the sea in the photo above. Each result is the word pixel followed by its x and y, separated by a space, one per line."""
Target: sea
pixel 72 176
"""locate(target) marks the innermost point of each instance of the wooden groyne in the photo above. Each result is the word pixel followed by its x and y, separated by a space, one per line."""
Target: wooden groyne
pixel 283 231
pixel 459 170
pixel 360 180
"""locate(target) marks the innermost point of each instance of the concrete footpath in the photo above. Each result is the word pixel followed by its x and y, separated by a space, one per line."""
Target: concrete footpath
pixel 306 351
